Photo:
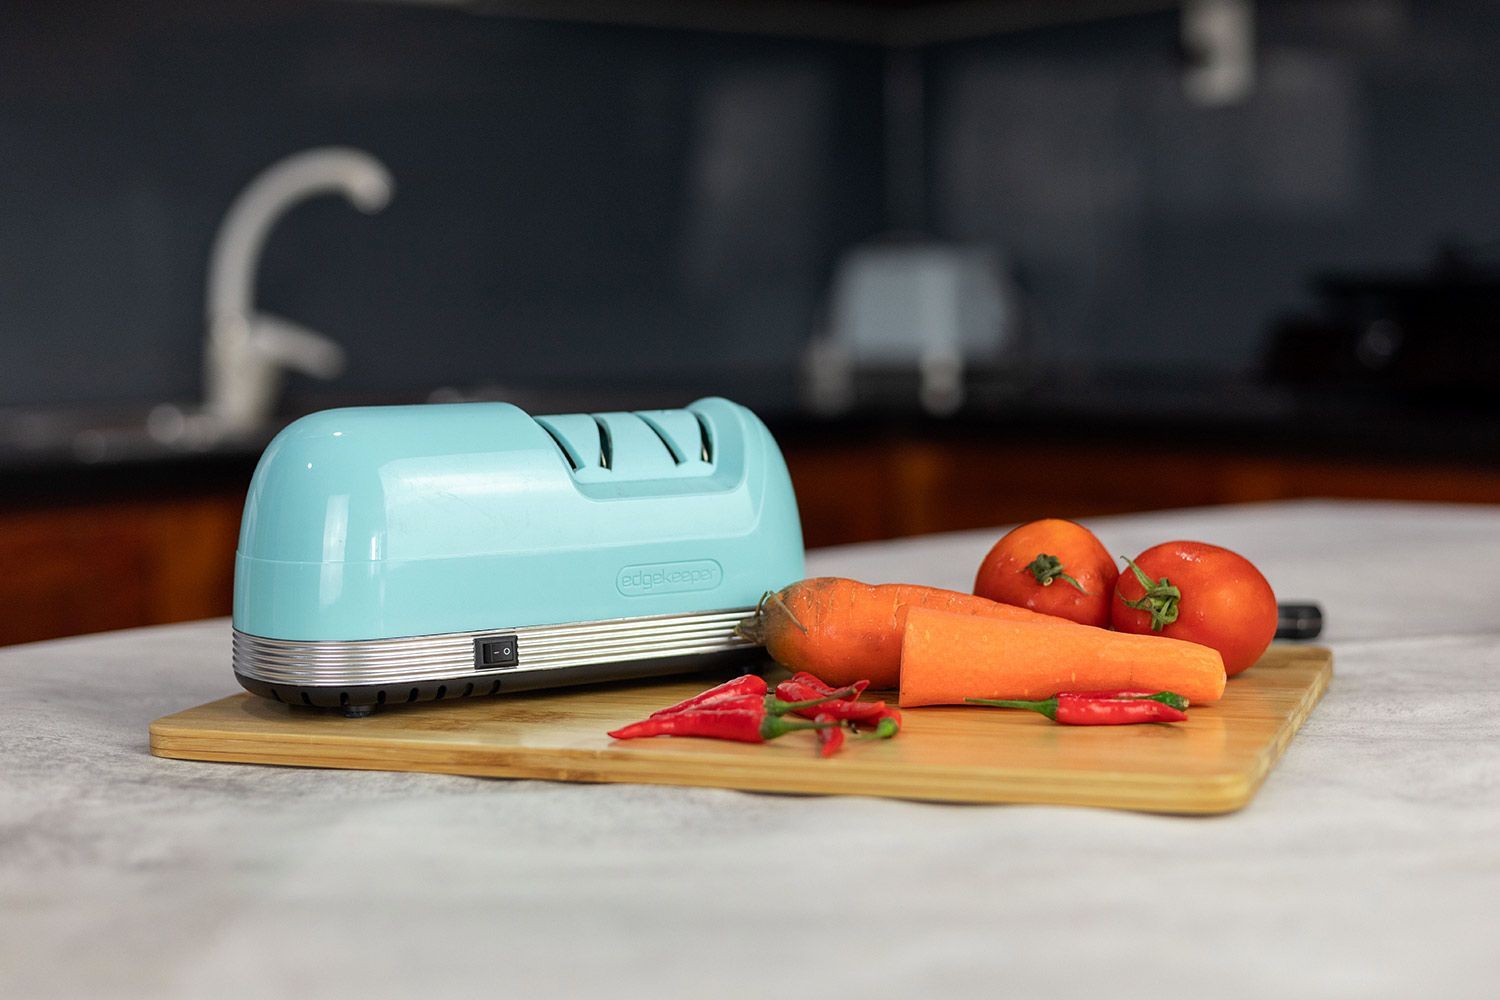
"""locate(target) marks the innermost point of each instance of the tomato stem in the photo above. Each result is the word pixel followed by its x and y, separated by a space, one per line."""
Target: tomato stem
pixel 1161 599
pixel 1048 568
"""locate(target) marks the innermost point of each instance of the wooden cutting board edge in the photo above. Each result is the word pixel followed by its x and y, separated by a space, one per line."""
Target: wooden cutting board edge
pixel 177 738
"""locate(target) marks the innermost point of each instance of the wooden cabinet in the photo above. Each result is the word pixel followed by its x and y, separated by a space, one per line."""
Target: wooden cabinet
pixel 113 556
pixel 890 486
pixel 115 562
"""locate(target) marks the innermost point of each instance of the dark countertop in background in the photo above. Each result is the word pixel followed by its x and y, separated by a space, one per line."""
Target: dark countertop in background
pixel 1216 416
pixel 1234 417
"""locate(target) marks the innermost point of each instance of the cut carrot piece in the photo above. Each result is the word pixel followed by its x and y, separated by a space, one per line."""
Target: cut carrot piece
pixel 947 657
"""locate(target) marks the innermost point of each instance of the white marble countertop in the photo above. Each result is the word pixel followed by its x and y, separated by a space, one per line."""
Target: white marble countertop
pixel 1369 865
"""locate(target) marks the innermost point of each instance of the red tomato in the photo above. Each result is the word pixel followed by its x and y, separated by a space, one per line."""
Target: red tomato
pixel 1221 601
pixel 1053 566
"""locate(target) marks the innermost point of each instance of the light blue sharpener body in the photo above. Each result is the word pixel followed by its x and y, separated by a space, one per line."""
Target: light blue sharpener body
pixel 404 553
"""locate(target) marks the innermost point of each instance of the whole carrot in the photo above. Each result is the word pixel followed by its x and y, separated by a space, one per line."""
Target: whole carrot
pixel 842 630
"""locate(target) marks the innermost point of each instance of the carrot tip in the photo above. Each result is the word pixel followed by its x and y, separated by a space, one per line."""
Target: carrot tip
pixel 753 628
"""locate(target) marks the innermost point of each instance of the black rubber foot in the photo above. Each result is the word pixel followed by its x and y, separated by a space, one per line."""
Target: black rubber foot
pixel 357 711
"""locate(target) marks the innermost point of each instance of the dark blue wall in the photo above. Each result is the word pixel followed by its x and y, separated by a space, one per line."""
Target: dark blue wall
pixel 583 205
pixel 574 203
pixel 1155 233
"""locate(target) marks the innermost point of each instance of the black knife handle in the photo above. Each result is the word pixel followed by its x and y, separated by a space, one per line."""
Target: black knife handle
pixel 1298 621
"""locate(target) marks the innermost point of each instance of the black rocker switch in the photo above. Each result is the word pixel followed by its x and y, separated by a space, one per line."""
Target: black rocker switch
pixel 496 652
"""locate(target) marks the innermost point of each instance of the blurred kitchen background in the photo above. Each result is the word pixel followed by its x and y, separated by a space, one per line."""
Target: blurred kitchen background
pixel 974 261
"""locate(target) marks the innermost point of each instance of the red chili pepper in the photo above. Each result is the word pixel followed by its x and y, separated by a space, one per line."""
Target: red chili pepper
pixel 1172 698
pixel 731 712
pixel 811 680
pixel 810 706
pixel 752 685
pixel 725 703
pixel 844 708
pixel 794 690
pixel 829 740
pixel 768 703
pixel 1074 710
pixel 749 688
pixel 855 711
pixel 746 724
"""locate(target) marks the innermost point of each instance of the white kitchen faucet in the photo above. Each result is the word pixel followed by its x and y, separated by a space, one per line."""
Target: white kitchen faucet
pixel 247 350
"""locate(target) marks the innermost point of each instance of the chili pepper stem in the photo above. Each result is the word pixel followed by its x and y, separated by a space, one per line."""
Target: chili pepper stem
pixel 1047 708
pixel 884 730
pixel 1170 699
pixel 773 726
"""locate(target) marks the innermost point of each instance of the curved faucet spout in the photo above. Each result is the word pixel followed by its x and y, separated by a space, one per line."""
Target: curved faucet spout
pixel 354 173
pixel 247 350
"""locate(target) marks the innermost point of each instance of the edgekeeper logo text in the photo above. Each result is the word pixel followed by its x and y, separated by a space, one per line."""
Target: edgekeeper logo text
pixel 669 578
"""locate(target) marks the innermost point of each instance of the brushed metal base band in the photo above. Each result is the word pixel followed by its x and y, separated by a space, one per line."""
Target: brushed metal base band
pixel 640 646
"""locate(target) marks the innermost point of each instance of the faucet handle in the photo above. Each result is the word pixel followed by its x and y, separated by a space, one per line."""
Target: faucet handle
pixel 295 347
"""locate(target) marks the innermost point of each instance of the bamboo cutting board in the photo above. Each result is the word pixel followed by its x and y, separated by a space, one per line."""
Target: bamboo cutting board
pixel 1213 763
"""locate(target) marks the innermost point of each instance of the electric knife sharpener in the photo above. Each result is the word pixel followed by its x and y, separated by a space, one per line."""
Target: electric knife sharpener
pixel 398 554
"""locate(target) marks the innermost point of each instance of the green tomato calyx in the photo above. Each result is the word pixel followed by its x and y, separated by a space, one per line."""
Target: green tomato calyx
pixel 1048 568
pixel 1160 600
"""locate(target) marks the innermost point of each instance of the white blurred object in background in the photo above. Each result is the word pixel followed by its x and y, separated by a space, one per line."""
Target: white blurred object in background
pixel 1218 38
pixel 932 307
pixel 909 304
